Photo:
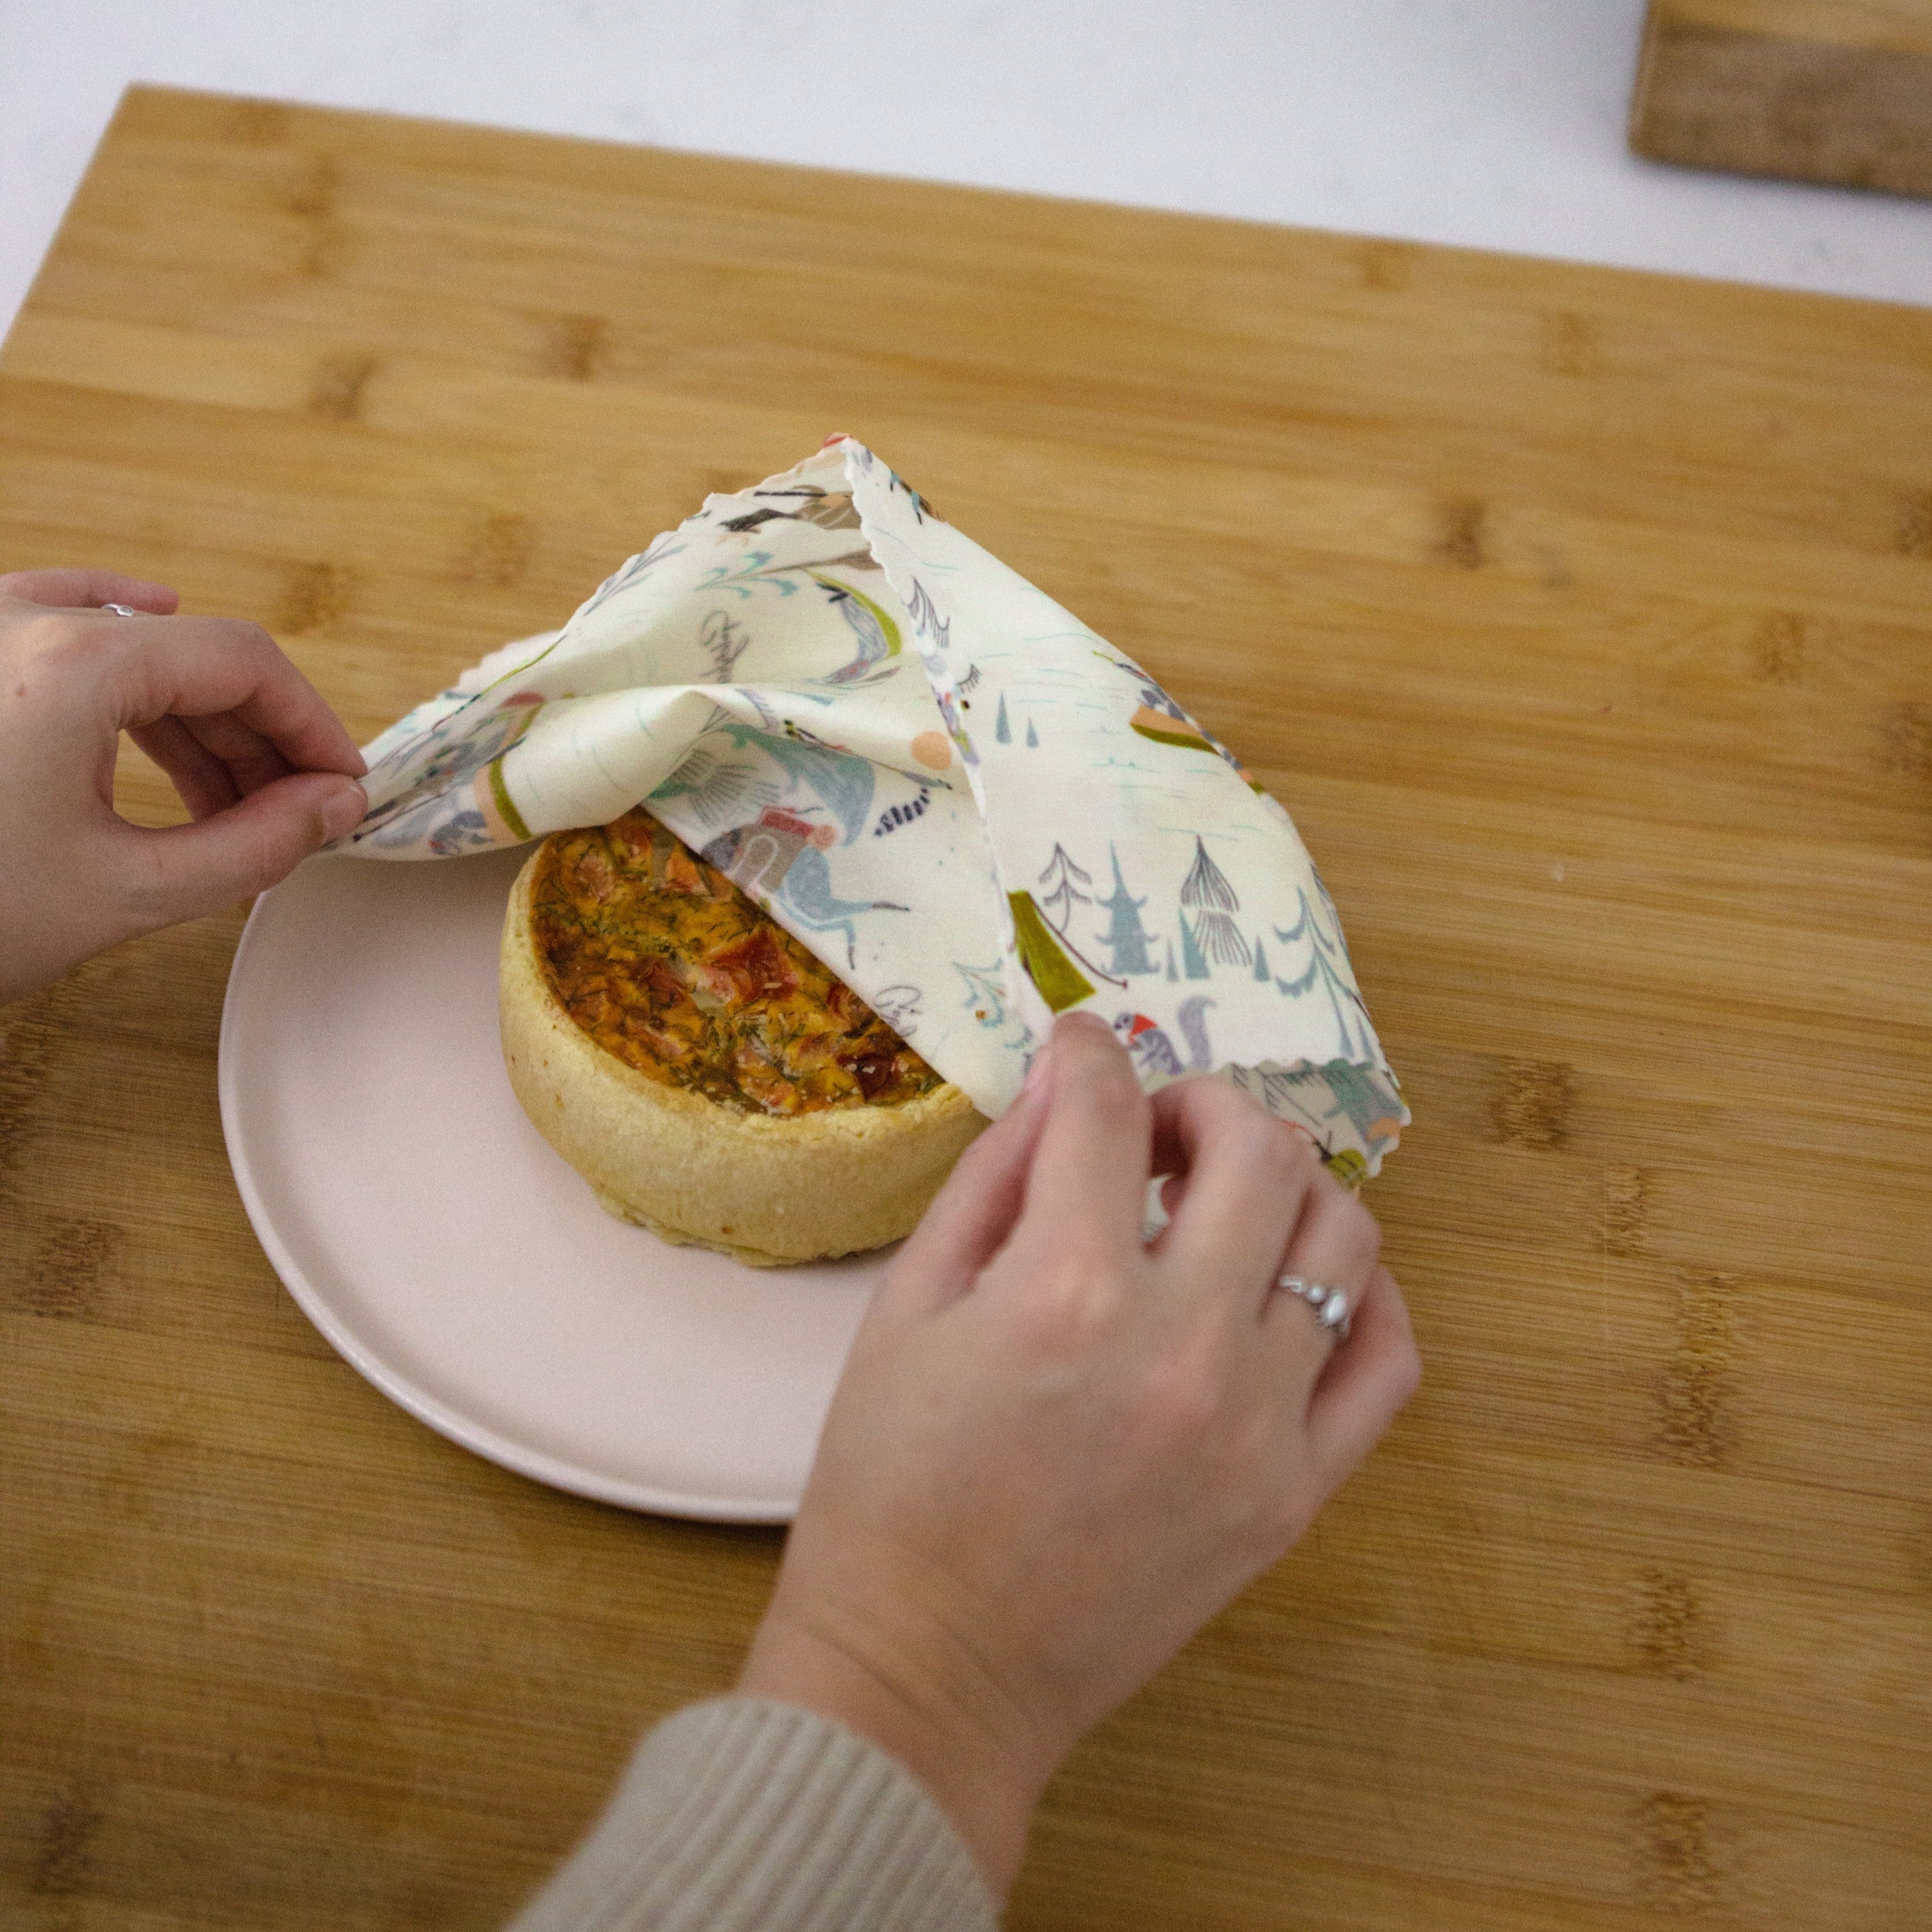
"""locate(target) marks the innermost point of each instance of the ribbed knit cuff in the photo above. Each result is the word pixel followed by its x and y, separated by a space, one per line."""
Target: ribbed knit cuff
pixel 742 1815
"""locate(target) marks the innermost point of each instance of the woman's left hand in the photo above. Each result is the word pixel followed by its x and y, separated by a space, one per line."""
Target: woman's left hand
pixel 266 769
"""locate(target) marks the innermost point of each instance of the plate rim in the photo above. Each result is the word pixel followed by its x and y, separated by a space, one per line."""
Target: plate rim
pixel 480 1439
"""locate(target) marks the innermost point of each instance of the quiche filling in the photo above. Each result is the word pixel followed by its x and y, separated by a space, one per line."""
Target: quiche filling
pixel 664 962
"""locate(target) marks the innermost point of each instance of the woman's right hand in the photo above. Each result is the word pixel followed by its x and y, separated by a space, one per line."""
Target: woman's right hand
pixel 1056 1452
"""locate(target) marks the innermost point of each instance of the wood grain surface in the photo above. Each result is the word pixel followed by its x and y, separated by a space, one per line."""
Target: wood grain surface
pixel 1820 90
pixel 1584 620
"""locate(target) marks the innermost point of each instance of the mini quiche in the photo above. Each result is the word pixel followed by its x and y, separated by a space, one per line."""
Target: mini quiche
pixel 712 1080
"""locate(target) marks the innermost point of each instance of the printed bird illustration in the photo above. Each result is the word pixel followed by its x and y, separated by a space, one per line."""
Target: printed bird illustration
pixel 1153 1050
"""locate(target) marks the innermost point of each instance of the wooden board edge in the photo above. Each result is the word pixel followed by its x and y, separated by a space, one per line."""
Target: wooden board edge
pixel 1714 97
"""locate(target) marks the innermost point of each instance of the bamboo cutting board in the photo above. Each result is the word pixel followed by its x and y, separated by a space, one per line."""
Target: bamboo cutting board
pixel 1583 619
pixel 1820 90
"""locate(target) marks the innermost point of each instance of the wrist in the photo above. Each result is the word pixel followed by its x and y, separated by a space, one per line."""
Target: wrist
pixel 940 1713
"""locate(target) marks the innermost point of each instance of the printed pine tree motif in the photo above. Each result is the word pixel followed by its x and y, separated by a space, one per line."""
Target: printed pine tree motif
pixel 1033 736
pixel 1374 1111
pixel 1125 935
pixel 1206 893
pixel 1322 976
pixel 1002 732
pixel 1047 950
pixel 1059 874
pixel 1193 960
pixel 1261 972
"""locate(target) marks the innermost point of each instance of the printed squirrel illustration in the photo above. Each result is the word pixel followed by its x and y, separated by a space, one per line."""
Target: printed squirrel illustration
pixel 1153 1051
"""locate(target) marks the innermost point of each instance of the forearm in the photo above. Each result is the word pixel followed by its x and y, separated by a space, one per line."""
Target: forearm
pixel 953 1728
pixel 745 1815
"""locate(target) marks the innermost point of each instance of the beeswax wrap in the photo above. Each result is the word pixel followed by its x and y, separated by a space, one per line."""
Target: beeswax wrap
pixel 973 809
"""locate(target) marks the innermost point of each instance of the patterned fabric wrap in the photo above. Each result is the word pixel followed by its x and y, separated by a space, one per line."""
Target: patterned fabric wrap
pixel 974 810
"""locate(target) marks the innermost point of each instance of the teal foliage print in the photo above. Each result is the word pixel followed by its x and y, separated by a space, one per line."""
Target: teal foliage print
pixel 1322 978
pixel 1374 1111
pixel 1261 972
pixel 985 992
pixel 989 1001
pixel 1124 934
pixel 1193 960
pixel 1002 732
pixel 1033 736
pixel 756 567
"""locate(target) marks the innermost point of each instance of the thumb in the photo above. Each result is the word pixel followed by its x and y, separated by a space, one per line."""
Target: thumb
pixel 186 871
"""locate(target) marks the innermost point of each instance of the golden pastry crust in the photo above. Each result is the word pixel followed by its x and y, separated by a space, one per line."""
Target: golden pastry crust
pixel 710 1079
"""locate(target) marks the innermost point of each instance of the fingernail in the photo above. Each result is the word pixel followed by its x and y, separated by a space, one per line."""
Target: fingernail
pixel 344 808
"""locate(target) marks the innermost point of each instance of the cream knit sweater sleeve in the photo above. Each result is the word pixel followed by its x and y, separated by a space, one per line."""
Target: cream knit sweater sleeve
pixel 746 1816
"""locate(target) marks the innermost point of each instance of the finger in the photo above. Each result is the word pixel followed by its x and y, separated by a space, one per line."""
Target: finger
pixel 198 667
pixel 188 870
pixel 88 590
pixel 1087 1184
pixel 1366 1382
pixel 972 1215
pixel 1167 1154
pixel 250 761
pixel 203 782
pixel 1244 1180
pixel 1335 1243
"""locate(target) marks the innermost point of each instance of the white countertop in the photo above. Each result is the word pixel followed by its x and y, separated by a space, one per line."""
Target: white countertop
pixel 1495 123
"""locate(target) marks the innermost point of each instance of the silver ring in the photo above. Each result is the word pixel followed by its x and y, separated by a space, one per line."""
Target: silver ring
pixel 120 611
pixel 1330 1304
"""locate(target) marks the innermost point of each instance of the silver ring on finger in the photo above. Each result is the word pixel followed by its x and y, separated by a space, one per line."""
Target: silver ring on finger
pixel 1331 1306
pixel 120 611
